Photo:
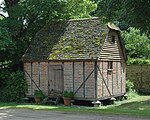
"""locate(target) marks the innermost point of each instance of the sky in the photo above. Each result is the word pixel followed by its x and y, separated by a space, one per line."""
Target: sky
pixel 1 1
pixel 0 9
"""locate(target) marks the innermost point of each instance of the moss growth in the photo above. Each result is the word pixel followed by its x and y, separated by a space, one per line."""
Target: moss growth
pixel 71 39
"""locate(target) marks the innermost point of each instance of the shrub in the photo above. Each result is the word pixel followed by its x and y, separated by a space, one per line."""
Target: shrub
pixel 68 94
pixel 130 89
pixel 137 44
pixel 129 86
pixel 15 87
pixel 38 93
pixel 138 61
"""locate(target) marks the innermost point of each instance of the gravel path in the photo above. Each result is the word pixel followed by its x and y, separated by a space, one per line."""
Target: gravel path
pixel 28 114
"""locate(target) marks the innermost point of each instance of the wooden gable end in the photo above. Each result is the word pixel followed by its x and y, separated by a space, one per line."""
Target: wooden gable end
pixel 112 49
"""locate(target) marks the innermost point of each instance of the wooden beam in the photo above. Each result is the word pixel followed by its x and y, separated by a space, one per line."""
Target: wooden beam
pixel 39 73
pixel 112 79
pixel 121 75
pixel 63 60
pixel 117 73
pixel 31 87
pixel 63 74
pixel 95 69
pixel 32 80
pixel 104 80
pixel 84 82
pixel 107 74
pixel 84 79
pixel 73 74
pixel 48 79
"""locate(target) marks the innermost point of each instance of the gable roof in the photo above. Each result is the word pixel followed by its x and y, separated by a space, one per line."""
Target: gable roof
pixel 69 40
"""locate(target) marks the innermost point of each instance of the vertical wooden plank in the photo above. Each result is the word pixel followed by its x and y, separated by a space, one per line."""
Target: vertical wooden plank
pixel 89 84
pixel 112 79
pixel 73 75
pixel 62 75
pixel 107 75
pixel 48 84
pixel 117 73
pixel 99 80
pixel 68 76
pixel 55 79
pixel 141 78
pixel 78 78
pixel 95 67
pixel 102 80
pixel 124 77
pixel 105 78
pixel 121 74
pixel 58 85
pixel 39 73
pixel 31 80
pixel 84 79
pixel 119 78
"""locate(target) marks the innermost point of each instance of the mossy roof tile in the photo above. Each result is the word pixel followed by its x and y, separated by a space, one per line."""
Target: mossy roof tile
pixel 74 39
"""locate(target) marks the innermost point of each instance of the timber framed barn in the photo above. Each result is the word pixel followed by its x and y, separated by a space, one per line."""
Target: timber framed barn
pixel 81 55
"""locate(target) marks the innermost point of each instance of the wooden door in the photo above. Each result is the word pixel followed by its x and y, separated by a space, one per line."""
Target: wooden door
pixel 56 79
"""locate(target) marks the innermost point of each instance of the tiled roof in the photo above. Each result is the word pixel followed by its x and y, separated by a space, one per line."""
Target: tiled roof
pixel 73 39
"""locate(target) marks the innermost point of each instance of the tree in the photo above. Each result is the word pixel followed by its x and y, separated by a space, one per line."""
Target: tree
pixel 26 17
pixel 137 44
pixel 126 13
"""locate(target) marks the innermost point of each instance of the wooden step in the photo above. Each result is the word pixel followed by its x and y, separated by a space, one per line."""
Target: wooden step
pixel 52 100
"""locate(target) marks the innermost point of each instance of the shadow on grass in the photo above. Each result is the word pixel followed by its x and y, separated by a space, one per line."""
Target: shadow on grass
pixel 136 105
pixel 130 108
pixel 3 104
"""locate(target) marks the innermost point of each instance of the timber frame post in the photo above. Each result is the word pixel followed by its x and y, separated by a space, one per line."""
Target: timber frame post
pixel 33 81
pixel 84 82
pixel 95 69
pixel 104 80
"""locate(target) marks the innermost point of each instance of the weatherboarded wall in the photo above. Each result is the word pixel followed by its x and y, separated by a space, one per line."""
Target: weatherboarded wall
pixel 140 75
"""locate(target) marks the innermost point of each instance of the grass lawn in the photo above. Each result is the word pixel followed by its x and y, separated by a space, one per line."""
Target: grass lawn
pixel 139 105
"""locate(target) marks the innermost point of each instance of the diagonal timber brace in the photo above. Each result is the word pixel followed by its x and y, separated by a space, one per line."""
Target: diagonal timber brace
pixel 32 80
pixel 84 82
pixel 104 80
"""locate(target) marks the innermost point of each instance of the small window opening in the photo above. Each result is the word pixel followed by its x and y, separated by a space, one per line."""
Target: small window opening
pixel 110 65
pixel 112 39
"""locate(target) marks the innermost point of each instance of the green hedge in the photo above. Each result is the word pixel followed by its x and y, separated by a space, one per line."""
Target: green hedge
pixel 138 61
pixel 14 86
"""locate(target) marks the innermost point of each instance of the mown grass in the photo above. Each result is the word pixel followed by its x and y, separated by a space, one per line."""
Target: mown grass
pixel 140 105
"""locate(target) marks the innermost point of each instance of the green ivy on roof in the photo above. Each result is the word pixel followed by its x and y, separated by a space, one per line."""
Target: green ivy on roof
pixel 63 40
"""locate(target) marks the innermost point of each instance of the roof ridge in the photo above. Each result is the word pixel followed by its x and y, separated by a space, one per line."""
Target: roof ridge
pixel 82 19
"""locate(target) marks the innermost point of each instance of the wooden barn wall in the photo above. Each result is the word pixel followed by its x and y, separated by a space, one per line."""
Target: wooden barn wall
pixel 27 68
pixel 115 80
pixel 56 75
pixel 43 77
pixel 111 51
pixel 90 84
pixel 38 71
pixel 68 76
pixel 74 73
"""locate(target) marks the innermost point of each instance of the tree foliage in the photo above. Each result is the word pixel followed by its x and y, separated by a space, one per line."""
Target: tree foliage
pixel 137 44
pixel 5 39
pixel 126 13
pixel 14 87
pixel 19 24
pixel 26 17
